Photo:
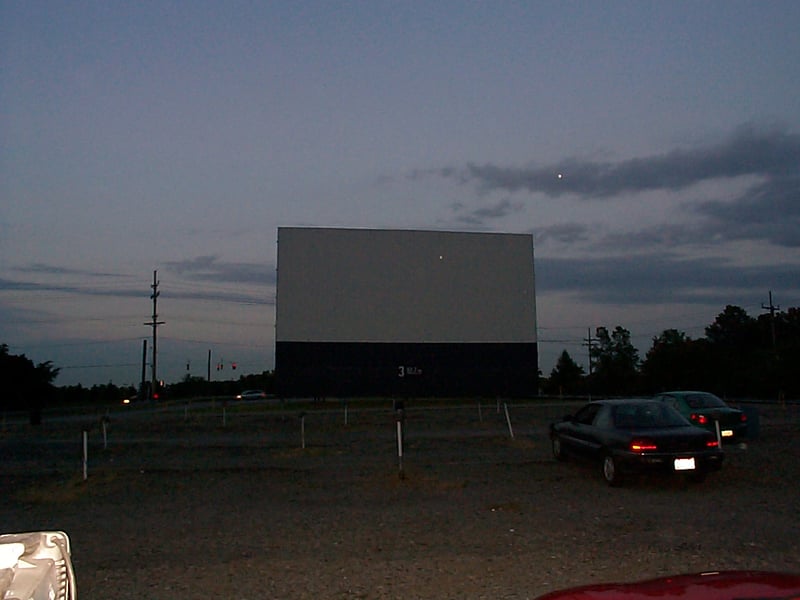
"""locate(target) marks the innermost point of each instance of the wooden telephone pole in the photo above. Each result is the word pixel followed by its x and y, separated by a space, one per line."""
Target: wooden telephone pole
pixel 154 323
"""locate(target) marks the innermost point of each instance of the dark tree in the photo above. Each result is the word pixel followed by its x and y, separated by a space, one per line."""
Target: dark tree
pixel 676 362
pixel 26 386
pixel 566 377
pixel 734 344
pixel 615 363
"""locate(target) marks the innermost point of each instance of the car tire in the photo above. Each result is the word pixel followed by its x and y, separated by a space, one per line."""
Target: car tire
pixel 611 471
pixel 558 450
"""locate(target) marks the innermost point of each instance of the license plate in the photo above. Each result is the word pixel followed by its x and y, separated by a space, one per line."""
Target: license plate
pixel 727 433
pixel 684 464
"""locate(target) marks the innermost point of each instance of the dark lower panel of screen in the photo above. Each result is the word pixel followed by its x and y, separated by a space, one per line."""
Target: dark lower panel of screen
pixel 351 369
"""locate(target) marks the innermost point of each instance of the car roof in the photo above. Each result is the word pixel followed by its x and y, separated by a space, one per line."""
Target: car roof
pixel 617 401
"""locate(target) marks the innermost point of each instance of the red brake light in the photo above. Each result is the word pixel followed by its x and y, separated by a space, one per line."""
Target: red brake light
pixel 701 419
pixel 642 446
pixel 743 418
pixel 712 444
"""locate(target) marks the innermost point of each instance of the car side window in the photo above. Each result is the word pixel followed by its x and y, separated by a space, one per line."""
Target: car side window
pixel 604 419
pixel 587 414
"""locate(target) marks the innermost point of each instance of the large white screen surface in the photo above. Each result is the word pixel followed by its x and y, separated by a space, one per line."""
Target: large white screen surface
pixel 364 285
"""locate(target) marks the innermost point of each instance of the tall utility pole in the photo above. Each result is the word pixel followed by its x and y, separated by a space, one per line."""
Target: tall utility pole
pixel 772 308
pixel 154 323
pixel 589 342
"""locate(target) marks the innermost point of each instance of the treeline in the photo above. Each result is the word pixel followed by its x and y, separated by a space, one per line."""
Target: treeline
pixel 740 356
pixel 188 387
pixel 29 387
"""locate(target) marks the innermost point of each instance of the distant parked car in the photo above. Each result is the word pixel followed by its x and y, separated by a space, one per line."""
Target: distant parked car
pixel 251 395
pixel 635 436
pixel 706 410
pixel 714 585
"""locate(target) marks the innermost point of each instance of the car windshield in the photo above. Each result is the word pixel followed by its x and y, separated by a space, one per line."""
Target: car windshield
pixel 703 401
pixel 646 415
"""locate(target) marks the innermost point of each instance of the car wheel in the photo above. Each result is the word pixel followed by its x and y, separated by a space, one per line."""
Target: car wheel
pixel 610 471
pixel 558 451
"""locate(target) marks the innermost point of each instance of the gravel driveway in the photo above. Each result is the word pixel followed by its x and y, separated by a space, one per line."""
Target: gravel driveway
pixel 183 504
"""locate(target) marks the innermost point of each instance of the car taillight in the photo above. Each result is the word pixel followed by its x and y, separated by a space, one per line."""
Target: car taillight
pixel 712 444
pixel 642 446
pixel 743 418
pixel 699 419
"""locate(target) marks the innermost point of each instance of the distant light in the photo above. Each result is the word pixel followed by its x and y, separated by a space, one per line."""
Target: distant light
pixel 441 257
pixel 560 175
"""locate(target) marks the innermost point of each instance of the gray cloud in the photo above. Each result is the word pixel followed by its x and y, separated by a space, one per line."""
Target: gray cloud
pixel 210 269
pixel 85 290
pixel 660 278
pixel 55 270
pixel 563 233
pixel 773 154
pixel 480 215
pixel 767 211
pixel 203 269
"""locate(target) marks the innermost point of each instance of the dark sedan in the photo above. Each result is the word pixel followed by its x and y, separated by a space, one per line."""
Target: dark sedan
pixel 635 436
pixel 708 411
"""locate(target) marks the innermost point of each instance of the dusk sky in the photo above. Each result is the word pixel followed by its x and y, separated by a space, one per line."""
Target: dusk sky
pixel 652 148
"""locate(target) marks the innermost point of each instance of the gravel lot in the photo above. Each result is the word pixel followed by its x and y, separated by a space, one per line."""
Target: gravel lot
pixel 183 503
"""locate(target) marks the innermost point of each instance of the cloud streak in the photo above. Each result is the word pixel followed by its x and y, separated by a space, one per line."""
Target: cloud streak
pixel 773 154
pixel 658 279
pixel 767 210
pixel 206 269
pixel 211 269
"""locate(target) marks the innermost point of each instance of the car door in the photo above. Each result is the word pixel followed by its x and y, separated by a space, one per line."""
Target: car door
pixel 582 435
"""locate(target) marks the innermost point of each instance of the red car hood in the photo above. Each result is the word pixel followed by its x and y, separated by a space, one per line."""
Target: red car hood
pixel 715 585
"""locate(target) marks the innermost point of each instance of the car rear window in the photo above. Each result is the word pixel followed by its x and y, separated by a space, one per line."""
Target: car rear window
pixel 704 401
pixel 648 415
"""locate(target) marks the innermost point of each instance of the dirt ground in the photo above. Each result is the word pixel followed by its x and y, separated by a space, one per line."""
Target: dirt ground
pixel 196 502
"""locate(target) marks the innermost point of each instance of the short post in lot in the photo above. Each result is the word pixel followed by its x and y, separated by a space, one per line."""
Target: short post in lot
pixel 303 430
pixel 508 420
pixel 85 455
pixel 104 425
pixel 400 448
pixel 400 416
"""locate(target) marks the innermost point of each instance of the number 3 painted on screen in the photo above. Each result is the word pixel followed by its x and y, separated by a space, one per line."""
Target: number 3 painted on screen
pixel 401 371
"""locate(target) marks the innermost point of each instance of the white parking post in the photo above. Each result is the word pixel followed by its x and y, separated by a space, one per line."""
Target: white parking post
pixel 85 455
pixel 400 446
pixel 508 420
